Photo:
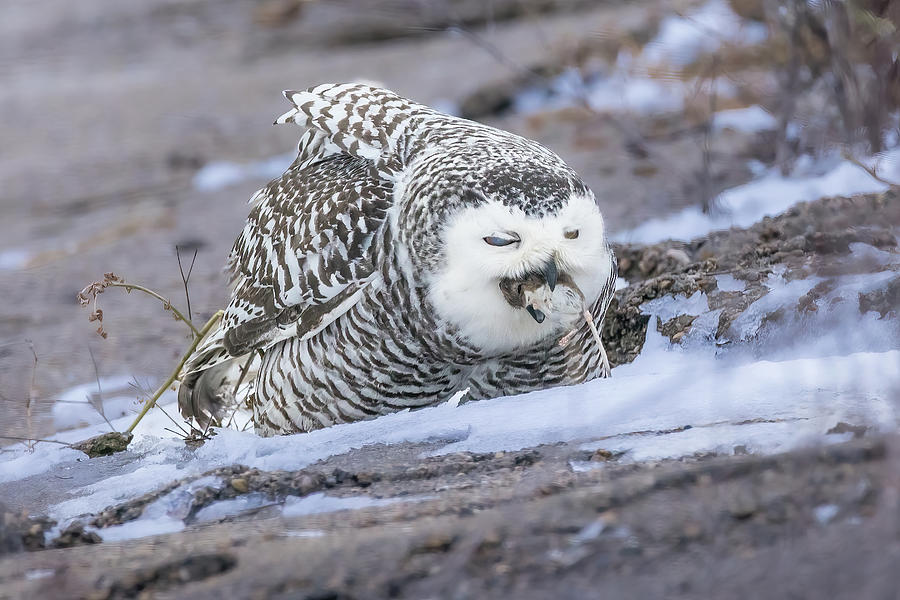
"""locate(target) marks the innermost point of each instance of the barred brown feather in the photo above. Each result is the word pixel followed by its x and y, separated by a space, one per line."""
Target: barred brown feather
pixel 334 271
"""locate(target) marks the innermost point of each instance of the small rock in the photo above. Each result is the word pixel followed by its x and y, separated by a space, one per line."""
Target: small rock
pixel 601 455
pixel 240 485
pixel 105 444
pixel 75 535
pixel 678 255
pixel 436 542
pixel 743 506
pixel 857 430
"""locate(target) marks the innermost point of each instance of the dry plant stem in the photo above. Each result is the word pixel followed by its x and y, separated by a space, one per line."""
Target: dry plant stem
pixel 28 401
pixel 168 304
pixel 33 441
pixel 186 278
pixel 237 385
pixel 99 405
pixel 872 171
pixel 590 321
pixel 159 392
pixel 183 433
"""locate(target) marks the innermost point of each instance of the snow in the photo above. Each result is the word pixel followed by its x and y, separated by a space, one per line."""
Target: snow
pixel 728 283
pixel 682 39
pixel 14 260
pixel 748 120
pixel 235 506
pixel 771 389
pixel 73 408
pixel 824 513
pixel 217 175
pixel 142 527
pixel 645 83
pixel 322 503
pixel 625 90
pixel 769 195
pixel 19 464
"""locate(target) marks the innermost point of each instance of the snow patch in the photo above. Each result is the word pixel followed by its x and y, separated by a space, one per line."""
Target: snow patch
pixel 748 120
pixel 233 507
pixel 217 175
pixel 321 503
pixel 74 408
pixel 773 388
pixel 682 39
pixel 728 283
pixel 14 260
pixel 769 195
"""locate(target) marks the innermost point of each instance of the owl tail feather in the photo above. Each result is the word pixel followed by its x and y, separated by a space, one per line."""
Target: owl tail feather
pixel 214 384
pixel 360 120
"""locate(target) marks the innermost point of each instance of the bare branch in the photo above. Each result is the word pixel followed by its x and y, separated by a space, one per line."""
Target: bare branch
pixel 186 278
pixel 183 431
pixel 171 379
pixel 89 296
pixel 872 171
pixel 30 398
pixel 32 441
pixel 98 406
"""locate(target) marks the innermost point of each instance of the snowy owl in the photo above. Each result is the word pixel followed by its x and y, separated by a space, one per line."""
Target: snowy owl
pixel 405 255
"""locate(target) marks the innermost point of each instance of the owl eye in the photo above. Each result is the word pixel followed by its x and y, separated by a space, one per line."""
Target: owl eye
pixel 571 234
pixel 498 239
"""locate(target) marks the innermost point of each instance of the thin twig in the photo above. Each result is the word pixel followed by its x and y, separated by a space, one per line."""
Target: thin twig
pixel 186 278
pixel 32 441
pixel 89 296
pixel 707 200
pixel 28 421
pixel 872 171
pixel 171 379
pixel 99 406
pixel 590 321
pixel 237 385
pixel 183 430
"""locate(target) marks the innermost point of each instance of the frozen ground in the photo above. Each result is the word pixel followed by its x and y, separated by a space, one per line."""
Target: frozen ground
pixel 770 390
pixel 771 194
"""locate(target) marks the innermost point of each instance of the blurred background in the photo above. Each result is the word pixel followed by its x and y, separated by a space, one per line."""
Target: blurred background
pixel 133 128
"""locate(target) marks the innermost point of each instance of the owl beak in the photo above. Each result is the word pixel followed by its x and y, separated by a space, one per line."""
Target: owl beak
pixel 551 275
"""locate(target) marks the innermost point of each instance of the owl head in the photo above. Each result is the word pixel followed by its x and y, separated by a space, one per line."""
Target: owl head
pixel 511 241
pixel 510 279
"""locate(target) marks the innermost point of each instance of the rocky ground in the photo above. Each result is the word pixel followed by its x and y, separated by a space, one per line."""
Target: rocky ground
pixel 547 520
pixel 815 523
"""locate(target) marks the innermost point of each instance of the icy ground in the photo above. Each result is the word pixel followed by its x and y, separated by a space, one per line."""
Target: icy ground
pixel 773 392
pixel 771 389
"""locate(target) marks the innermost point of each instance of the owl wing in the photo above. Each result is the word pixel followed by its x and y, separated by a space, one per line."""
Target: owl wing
pixel 305 254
